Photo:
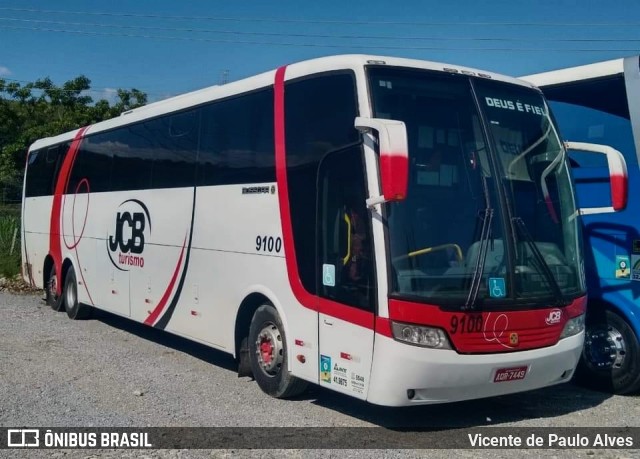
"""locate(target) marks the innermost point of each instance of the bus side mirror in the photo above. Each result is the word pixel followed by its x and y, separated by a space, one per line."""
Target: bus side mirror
pixel 617 176
pixel 394 157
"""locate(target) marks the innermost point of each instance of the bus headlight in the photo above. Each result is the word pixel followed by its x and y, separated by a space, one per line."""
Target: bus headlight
pixel 573 327
pixel 419 335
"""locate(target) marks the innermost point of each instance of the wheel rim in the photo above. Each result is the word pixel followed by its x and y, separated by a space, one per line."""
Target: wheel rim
pixel 605 348
pixel 269 349
pixel 70 295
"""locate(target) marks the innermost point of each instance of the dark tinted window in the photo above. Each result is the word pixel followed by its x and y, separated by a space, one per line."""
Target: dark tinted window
pixel 174 149
pixel 133 156
pixel 93 163
pixel 37 177
pixel 237 141
pixel 319 113
pixel 43 168
pixel 159 153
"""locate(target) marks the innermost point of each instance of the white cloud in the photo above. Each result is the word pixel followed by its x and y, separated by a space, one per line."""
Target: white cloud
pixel 109 94
pixel 4 71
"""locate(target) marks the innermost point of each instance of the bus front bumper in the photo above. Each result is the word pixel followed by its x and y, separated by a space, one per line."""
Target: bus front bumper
pixel 403 375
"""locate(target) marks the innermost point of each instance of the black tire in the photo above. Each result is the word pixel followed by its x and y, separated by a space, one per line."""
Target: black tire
pixel 75 309
pixel 610 358
pixel 271 373
pixel 53 299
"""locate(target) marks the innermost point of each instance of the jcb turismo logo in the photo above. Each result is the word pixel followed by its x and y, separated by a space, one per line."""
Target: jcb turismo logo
pixel 554 317
pixel 125 242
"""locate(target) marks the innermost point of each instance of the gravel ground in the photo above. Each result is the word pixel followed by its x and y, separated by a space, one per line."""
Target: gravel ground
pixel 112 372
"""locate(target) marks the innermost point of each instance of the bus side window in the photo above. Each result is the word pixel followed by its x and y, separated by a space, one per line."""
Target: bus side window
pixel 344 235
pixel 173 148
pixel 35 172
pixel 236 143
pixel 58 159
pixel 52 166
pixel 44 167
pixel 93 163
pixel 319 114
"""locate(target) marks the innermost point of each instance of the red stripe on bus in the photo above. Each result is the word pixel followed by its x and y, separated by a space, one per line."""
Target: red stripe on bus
pixel 339 311
pixel 383 327
pixel 55 248
pixel 167 293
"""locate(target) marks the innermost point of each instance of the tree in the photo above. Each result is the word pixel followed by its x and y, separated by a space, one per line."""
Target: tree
pixel 41 109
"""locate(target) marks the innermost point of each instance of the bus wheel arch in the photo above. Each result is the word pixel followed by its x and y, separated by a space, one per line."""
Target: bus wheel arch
pixel 611 354
pixel 245 313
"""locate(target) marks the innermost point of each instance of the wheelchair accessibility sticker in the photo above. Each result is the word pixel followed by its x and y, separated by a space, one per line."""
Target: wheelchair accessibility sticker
pixel 329 275
pixel 497 287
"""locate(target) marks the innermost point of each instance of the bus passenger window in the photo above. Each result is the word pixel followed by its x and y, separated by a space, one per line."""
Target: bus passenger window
pixel 345 252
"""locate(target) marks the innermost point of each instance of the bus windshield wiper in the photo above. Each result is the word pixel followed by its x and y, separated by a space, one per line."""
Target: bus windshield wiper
pixel 540 261
pixel 485 234
pixel 478 270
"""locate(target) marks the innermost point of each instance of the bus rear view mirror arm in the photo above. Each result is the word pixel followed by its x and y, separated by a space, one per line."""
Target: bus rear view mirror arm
pixel 617 175
pixel 394 157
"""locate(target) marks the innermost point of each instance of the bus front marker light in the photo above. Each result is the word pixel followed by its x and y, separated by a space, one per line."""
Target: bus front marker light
pixel 573 326
pixel 419 335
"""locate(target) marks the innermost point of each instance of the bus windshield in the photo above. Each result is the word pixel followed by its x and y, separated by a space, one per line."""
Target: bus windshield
pixel 489 215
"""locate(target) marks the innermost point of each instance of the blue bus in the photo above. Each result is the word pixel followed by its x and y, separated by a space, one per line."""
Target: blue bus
pixel 600 104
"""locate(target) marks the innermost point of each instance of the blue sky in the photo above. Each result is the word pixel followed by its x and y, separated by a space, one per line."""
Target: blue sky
pixel 112 44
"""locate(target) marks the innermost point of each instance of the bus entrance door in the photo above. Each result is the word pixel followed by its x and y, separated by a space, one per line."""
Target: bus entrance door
pixel 345 268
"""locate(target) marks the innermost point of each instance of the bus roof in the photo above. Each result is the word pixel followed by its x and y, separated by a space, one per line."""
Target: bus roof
pixel 323 64
pixel 579 73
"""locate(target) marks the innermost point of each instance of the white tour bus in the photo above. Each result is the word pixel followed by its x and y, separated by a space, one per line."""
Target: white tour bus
pixel 397 230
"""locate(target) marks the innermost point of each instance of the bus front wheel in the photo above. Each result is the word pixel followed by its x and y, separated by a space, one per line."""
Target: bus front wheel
pixel 610 357
pixel 268 355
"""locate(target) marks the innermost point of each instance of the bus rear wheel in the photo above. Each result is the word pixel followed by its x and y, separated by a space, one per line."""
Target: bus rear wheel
pixel 610 355
pixel 51 290
pixel 75 309
pixel 268 355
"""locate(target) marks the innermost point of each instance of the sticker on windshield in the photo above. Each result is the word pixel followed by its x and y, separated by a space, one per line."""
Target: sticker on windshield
pixel 636 246
pixel 635 267
pixel 497 287
pixel 511 105
pixel 623 269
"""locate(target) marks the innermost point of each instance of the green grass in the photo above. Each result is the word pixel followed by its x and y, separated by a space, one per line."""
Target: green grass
pixel 9 260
